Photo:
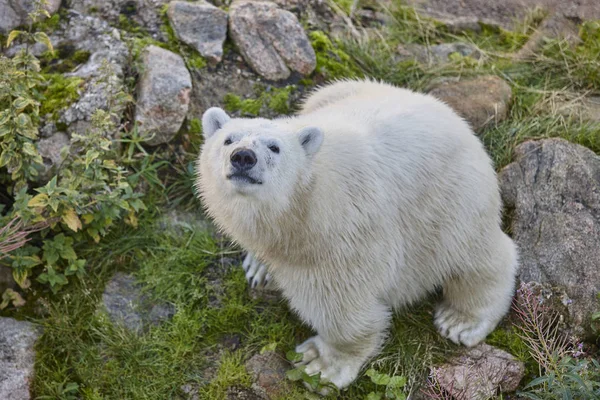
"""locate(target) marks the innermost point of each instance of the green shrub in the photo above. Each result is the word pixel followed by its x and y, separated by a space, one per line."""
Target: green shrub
pixel 89 192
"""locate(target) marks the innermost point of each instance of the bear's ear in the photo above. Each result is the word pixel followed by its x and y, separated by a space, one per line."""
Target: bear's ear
pixel 310 138
pixel 213 119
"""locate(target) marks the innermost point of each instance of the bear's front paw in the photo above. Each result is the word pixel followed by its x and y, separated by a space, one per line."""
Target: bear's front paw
pixel 459 327
pixel 257 274
pixel 335 366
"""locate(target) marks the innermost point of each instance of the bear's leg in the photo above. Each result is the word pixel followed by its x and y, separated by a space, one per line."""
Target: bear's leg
pixel 257 273
pixel 474 303
pixel 342 347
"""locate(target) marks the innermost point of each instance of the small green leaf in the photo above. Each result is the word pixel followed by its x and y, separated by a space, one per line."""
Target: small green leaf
pixel 397 381
pixel 292 356
pixel 312 380
pixel 41 37
pixel 378 378
pixel 295 374
pixel 537 381
pixel 374 396
pixel 12 36
pixel 268 347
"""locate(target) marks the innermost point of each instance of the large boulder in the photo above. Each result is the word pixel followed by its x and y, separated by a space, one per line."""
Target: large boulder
pixel 200 25
pixel 271 40
pixel 481 101
pixel 553 190
pixel 163 95
pixel 17 355
pixel 14 13
pixel 479 374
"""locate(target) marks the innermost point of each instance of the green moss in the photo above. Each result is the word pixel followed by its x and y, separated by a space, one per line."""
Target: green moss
pixel 276 99
pixel 195 61
pixel 510 341
pixel 234 103
pixel 64 59
pixel 196 126
pixel 332 61
pixel 231 372
pixel 279 100
pixel 60 92
pixel 48 25
pixel 128 25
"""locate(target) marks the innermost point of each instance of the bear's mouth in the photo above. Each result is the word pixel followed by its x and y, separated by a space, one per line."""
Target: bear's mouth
pixel 243 178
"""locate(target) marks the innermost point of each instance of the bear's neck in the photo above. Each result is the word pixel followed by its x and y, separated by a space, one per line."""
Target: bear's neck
pixel 275 233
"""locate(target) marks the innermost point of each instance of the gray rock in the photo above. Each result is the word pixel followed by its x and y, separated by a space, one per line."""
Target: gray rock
pixel 269 373
pixel 200 25
pixel 127 305
pixel 49 149
pixel 271 40
pixel 145 13
pixel 14 13
pixel 554 189
pixel 437 54
pixel 211 87
pixel 480 101
pixel 480 374
pixel 507 14
pixel 163 95
pixel 586 108
pixel 17 355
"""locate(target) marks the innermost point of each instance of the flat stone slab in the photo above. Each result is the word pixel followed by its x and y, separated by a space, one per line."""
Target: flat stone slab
pixel 127 305
pixel 17 355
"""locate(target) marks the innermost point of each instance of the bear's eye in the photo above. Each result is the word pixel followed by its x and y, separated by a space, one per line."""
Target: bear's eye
pixel 227 142
pixel 274 148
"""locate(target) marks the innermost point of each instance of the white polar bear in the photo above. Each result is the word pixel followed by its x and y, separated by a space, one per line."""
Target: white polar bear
pixel 367 201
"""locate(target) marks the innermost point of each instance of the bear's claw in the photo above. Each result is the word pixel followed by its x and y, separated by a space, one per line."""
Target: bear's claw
pixel 257 273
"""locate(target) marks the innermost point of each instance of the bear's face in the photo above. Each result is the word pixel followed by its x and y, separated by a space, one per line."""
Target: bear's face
pixel 256 157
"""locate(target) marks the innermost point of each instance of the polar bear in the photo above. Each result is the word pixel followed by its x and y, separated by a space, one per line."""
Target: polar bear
pixel 368 200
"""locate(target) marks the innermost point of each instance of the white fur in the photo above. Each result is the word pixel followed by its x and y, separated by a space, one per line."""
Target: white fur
pixel 399 198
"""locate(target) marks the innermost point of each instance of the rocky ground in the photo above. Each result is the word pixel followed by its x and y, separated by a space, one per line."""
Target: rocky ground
pixel 165 312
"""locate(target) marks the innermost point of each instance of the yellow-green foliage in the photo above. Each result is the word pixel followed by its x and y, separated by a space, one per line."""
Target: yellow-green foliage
pixel 231 372
pixel 276 99
pixel 59 93
pixel 332 61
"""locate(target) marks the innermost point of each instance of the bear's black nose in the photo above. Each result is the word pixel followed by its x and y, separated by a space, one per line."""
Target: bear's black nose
pixel 243 159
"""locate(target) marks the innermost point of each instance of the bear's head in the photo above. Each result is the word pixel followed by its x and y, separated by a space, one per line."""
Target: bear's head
pixel 259 159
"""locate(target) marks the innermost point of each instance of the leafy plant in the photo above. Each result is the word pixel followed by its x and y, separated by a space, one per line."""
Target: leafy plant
pixel 299 374
pixel 89 192
pixel 391 386
pixel 20 106
pixel 561 375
